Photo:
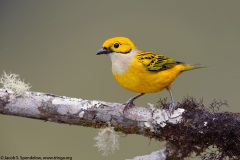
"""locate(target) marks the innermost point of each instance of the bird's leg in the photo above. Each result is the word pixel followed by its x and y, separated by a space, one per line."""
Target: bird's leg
pixel 172 104
pixel 129 103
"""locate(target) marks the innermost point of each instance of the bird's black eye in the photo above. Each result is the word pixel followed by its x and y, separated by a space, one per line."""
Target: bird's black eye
pixel 116 45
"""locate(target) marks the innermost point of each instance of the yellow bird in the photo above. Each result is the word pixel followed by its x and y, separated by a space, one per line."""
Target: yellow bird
pixel 142 72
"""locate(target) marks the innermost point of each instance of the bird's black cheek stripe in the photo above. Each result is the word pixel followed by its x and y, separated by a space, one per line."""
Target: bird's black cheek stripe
pixel 126 52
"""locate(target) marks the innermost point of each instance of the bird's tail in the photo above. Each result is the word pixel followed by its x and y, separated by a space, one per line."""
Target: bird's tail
pixel 190 67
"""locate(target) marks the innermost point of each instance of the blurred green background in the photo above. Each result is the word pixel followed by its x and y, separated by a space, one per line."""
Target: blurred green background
pixel 52 46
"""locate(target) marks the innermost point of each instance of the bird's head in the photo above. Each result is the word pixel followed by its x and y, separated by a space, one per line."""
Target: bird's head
pixel 120 45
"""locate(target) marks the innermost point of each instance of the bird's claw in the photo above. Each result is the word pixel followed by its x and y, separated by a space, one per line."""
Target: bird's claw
pixel 171 108
pixel 128 105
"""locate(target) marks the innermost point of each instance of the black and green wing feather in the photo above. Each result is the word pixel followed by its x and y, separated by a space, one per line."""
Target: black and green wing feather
pixel 156 62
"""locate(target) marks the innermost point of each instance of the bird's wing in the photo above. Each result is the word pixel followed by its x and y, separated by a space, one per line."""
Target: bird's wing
pixel 156 62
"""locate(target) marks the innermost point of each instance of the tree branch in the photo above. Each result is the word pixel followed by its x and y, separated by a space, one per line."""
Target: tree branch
pixel 191 129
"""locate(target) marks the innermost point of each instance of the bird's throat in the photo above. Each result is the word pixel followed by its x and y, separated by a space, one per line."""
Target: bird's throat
pixel 121 62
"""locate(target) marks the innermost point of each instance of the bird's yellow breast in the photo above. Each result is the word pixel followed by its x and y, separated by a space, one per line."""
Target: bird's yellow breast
pixel 138 79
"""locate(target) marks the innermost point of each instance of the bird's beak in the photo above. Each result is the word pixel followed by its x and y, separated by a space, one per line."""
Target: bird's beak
pixel 104 51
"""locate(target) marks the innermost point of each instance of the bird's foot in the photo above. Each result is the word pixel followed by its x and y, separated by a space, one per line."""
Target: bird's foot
pixel 171 108
pixel 128 105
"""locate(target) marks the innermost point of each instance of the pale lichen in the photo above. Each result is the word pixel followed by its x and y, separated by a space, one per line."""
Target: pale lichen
pixel 89 104
pixel 81 114
pixel 161 117
pixel 13 82
pixel 107 141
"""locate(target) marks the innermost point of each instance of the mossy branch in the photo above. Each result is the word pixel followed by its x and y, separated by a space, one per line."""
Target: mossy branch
pixel 191 129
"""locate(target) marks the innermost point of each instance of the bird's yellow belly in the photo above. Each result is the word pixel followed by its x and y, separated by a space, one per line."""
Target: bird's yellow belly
pixel 137 79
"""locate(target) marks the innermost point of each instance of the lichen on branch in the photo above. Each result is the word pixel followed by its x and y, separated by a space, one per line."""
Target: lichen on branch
pixel 11 81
